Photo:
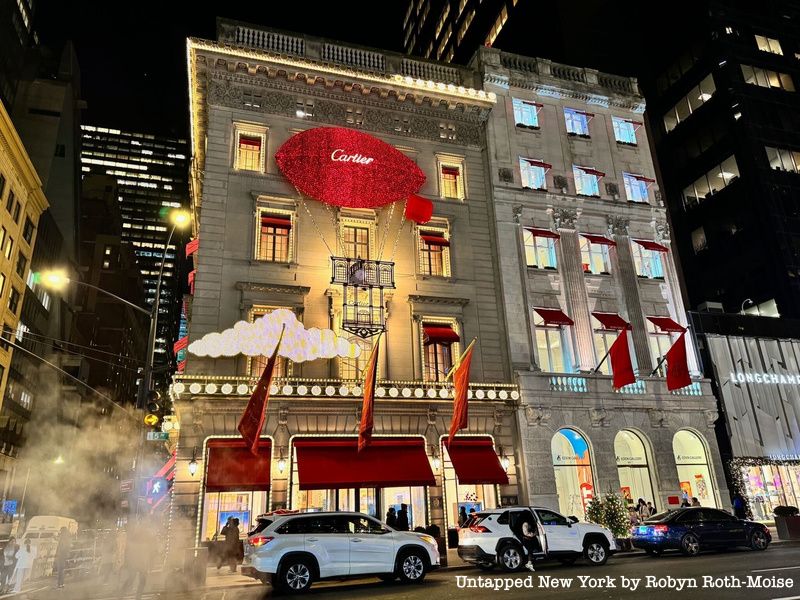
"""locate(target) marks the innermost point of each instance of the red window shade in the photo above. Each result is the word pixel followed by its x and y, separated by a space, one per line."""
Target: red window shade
pixel 324 463
pixel 656 247
pixel 475 461
pixel 232 467
pixel 592 171
pixel 599 239
pixel 531 103
pixel 439 334
pixel 538 163
pixel 434 240
pixel 636 124
pixel 553 316
pixel 667 324
pixel 276 222
pixel 611 321
pixel 452 171
pixel 247 142
pixel 545 233
pixel 647 180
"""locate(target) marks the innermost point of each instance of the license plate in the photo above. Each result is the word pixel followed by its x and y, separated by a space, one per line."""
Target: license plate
pixel 643 529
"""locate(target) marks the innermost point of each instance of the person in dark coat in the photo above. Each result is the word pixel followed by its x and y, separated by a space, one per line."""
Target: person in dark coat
pixel 739 507
pixel 232 544
pixel 402 518
pixel 462 516
pixel 139 547
pixel 62 554
pixel 391 517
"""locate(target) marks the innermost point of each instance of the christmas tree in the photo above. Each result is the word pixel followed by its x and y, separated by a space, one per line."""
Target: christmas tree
pixel 615 515
pixel 594 511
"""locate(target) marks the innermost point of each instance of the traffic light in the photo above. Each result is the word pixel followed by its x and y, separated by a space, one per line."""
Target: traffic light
pixel 154 409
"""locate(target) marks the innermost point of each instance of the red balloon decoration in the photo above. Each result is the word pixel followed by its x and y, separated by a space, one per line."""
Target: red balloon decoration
pixel 418 209
pixel 349 168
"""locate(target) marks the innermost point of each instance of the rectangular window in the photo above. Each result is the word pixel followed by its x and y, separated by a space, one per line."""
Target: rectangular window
pixel 353 369
pixel 434 252
pixel 526 113
pixel 766 44
pixel 9 247
pixel 587 181
pixel 2 283
pixel 13 300
pixel 273 236
pixel 22 264
pixel 540 251
pixel 451 180
pixel 552 347
pixel 2 185
pixel 659 342
pixel 577 122
pixel 250 151
pixel 533 173
pixel 699 242
pixel 462 31
pixel 438 361
pixel 356 241
pixel 603 338
pixel 783 160
pixel 636 187
pixel 766 78
pixel 497 26
pixel 625 130
pixel 708 184
pixel 441 349
pixel 10 201
pixel 595 257
pixel 17 211
pixel 647 262
pixel 699 95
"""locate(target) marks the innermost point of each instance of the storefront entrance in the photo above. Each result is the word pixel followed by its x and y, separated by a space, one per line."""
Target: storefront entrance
pixel 770 485
pixel 693 472
pixel 633 468
pixel 573 471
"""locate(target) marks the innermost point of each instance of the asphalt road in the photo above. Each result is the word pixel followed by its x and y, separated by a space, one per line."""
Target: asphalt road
pixel 736 574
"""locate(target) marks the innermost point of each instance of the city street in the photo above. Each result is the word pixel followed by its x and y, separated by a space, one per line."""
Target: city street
pixel 780 562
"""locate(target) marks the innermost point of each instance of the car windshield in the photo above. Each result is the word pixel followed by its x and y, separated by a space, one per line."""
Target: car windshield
pixel 664 516
pixel 261 525
pixel 474 519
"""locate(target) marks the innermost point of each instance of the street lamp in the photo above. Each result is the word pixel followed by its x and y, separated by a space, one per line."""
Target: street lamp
pixel 193 463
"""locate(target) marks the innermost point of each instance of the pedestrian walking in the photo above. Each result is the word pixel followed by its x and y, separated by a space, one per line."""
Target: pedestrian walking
pixel 232 544
pixel 739 507
pixel 651 509
pixel 695 502
pixel 139 547
pixel 9 560
pixel 62 554
pixel 402 518
pixel 641 508
pixel 391 517
pixel 462 516
pixel 25 557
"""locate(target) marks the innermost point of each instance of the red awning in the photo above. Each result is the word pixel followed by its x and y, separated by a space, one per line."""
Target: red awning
pixel 611 321
pixel 454 171
pixel 250 142
pixel 553 316
pixel 582 112
pixel 538 163
pixel 636 124
pixel 599 239
pixel 435 240
pixel 532 103
pixel 475 461
pixel 192 247
pixel 276 222
pixel 439 334
pixel 592 171
pixel 545 233
pixel 647 180
pixel 667 324
pixel 325 463
pixel 232 467
pixel 655 246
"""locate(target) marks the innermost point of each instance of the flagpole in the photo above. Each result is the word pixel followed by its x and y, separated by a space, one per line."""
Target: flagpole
pixel 463 354
pixel 602 360
pixel 661 361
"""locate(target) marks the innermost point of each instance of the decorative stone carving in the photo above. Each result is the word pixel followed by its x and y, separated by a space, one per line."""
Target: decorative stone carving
pixel 516 212
pixel 599 417
pixel 711 418
pixel 661 229
pixel 329 111
pixel 279 104
pixel 612 189
pixel 560 183
pixel 283 416
pixel 659 197
pixel 433 415
pixel 658 418
pixel 224 92
pixel 617 225
pixel 498 422
pixel 564 218
pixel 537 416
pixel 505 174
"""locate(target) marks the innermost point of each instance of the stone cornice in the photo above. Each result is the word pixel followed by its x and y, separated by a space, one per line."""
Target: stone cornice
pixel 416 298
pixel 249 286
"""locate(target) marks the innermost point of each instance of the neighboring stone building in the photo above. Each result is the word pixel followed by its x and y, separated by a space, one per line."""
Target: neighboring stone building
pixel 583 245
pixel 261 247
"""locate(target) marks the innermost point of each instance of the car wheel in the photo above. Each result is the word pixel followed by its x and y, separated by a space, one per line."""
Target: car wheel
pixel 567 560
pixel 387 577
pixel 690 545
pixel 295 576
pixel 758 540
pixel 596 553
pixel 510 557
pixel 654 551
pixel 486 566
pixel 411 567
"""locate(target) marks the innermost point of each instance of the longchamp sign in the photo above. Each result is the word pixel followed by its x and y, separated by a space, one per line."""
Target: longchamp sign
pixel 765 378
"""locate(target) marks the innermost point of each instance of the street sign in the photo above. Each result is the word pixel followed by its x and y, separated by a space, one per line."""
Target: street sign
pixel 157 436
pixel 10 506
pixel 126 485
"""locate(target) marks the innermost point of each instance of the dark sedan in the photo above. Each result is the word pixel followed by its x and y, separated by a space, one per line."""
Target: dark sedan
pixel 691 530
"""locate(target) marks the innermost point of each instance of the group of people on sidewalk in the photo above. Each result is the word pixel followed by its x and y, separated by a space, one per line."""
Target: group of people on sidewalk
pixel 17 564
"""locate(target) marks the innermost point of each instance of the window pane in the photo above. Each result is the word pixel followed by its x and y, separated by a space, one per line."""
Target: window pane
pixel 729 170
pixel 682 109
pixel 670 120
pixel 702 188
pixel 530 247
pixel 774 79
pixel 774 158
pixel 786 82
pixel 748 74
pixel 543 350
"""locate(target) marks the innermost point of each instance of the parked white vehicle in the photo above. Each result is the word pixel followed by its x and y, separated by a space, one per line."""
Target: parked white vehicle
pixel 493 537
pixel 294 551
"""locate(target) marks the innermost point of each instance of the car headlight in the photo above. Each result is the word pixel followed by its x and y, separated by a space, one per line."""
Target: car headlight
pixel 430 539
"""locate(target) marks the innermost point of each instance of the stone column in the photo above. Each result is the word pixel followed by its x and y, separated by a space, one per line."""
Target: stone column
pixel 574 286
pixel 628 287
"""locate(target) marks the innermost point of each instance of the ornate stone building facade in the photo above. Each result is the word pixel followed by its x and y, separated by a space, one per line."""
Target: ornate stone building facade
pixel 584 248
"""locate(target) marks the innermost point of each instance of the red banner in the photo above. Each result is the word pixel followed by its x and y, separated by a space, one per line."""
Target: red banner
pixel 678 365
pixel 192 247
pixel 621 366
pixel 367 414
pixel 460 400
pixel 180 344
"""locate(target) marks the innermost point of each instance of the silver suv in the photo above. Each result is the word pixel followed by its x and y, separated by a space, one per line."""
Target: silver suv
pixel 294 551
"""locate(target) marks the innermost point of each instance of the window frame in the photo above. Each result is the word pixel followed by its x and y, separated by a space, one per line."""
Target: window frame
pixel 424 249
pixel 629 180
pixel 602 254
pixel 647 263
pixel 617 124
pixel 264 211
pixel 525 111
pixel 454 348
pixel 457 162
pixel 249 130
pixel 531 174
pixel 573 116
pixel 564 339
pixel 534 244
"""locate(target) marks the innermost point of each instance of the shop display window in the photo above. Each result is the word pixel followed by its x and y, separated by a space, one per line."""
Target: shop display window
pixel 633 468
pixel 218 506
pixel 694 475
pixel 457 495
pixel 768 486
pixel 573 472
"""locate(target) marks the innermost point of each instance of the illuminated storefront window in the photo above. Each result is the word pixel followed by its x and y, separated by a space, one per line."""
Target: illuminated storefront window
pixel 633 468
pixel 694 474
pixel 767 486
pixel 457 495
pixel 573 471
pixel 245 506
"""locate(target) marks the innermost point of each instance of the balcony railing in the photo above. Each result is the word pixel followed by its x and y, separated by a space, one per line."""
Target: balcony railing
pixel 579 383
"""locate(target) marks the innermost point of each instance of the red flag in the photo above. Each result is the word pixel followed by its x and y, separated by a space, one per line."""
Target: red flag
pixel 621 366
pixel 418 209
pixel 460 387
pixel 252 420
pixel 370 379
pixel 678 365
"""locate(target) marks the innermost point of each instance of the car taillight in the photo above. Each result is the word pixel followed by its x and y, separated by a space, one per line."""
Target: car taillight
pixel 660 528
pixel 479 529
pixel 260 540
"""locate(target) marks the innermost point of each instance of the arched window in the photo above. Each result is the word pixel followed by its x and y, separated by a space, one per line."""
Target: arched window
pixel 633 468
pixel 694 474
pixel 573 471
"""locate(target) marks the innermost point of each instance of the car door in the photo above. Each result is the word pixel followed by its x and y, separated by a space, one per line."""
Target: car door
pixel 730 531
pixel 561 535
pixel 691 521
pixel 329 542
pixel 371 545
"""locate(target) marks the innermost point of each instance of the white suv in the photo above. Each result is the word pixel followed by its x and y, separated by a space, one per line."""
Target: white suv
pixel 493 537
pixel 298 549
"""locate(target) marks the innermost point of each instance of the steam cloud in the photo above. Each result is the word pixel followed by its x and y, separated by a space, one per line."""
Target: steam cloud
pixel 260 337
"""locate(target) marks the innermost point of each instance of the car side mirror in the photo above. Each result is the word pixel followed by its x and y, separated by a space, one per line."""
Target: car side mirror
pixel 572 519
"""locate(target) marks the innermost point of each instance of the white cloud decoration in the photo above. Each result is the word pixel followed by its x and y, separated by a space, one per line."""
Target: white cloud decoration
pixel 259 338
